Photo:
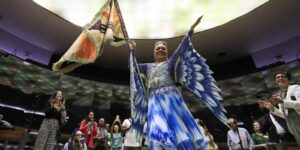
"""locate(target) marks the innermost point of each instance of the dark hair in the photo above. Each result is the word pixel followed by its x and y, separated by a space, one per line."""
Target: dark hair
pixel 87 119
pixel 288 75
pixel 160 42
pixel 112 126
pixel 255 121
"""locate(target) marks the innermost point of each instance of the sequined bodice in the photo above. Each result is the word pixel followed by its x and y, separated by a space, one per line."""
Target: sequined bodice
pixel 159 75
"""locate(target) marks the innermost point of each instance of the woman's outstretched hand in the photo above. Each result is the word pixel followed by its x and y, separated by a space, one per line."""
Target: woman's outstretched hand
pixel 196 23
pixel 132 44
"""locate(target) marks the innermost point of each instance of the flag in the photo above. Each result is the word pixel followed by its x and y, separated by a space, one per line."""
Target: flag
pixel 106 25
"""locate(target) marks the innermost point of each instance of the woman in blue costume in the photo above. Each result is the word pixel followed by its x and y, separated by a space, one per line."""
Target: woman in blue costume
pixel 155 98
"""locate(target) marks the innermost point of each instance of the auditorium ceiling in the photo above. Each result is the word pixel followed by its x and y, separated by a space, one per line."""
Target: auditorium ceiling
pixel 32 38
pixel 258 35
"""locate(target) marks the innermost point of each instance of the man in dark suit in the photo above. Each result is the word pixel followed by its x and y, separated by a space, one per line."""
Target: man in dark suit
pixel 277 131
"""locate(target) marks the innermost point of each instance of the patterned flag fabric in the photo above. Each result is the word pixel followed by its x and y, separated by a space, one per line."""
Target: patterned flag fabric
pixel 106 25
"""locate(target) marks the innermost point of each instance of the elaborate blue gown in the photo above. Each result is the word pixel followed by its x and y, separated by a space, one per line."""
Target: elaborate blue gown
pixel 170 125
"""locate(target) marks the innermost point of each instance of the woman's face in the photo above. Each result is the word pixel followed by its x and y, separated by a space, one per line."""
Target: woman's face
pixel 256 126
pixel 160 53
pixel 91 115
pixel 107 126
pixel 59 95
pixel 116 128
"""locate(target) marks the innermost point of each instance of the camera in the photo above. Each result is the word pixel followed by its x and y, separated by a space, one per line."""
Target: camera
pixel 92 121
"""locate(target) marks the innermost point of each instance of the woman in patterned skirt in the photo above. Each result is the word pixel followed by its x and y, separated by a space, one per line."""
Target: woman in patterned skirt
pixel 54 112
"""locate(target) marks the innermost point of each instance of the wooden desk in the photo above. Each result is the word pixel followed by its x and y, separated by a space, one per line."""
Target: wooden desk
pixel 11 135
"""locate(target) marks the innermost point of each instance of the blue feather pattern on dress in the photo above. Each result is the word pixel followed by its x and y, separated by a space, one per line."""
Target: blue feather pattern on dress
pixel 137 98
pixel 170 125
pixel 193 73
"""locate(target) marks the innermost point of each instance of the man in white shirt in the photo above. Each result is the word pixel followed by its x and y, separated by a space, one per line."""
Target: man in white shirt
pixel 288 100
pixel 130 141
pixel 238 138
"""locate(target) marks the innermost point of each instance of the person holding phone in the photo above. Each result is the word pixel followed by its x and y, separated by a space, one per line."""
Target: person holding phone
pixel 55 112
pixel 116 135
pixel 90 129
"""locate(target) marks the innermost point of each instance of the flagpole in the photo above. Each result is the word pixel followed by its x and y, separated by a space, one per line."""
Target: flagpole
pixel 121 20
pixel 127 40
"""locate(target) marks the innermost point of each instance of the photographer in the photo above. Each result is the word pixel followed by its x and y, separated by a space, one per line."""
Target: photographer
pixel 89 128
pixel 76 143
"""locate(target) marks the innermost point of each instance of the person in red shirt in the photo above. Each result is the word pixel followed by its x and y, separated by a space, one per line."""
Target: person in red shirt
pixel 90 129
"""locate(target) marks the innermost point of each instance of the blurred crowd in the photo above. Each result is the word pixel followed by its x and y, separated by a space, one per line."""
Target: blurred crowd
pixel 269 131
